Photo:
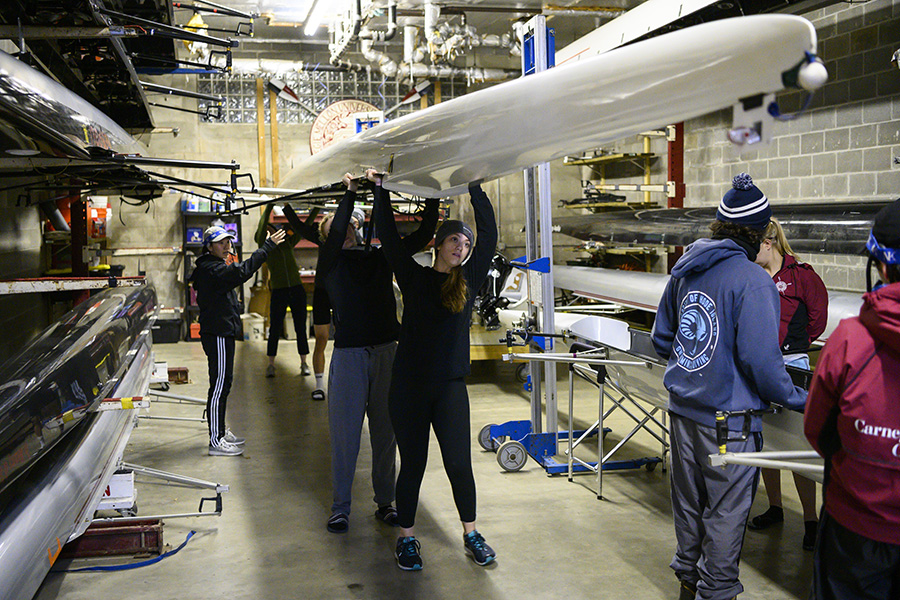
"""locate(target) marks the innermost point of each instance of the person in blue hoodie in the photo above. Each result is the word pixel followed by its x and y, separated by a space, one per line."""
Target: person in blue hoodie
pixel 717 325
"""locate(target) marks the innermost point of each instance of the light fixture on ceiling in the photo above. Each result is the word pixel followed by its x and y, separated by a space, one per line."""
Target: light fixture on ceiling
pixel 293 11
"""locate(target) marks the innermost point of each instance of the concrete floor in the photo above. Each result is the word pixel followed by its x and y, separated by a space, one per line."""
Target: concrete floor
pixel 553 537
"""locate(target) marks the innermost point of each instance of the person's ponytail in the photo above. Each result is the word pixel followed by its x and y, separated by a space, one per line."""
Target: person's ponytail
pixel 454 291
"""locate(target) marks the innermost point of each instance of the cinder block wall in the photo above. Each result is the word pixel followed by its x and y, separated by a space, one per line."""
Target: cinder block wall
pixel 842 149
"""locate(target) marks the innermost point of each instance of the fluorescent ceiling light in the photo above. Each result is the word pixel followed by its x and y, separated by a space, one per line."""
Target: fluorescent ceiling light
pixel 291 12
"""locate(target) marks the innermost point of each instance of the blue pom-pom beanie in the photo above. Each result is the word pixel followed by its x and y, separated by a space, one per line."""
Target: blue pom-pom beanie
pixel 744 204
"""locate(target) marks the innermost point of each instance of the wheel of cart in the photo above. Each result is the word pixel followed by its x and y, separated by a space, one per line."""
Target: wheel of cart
pixel 522 372
pixel 486 441
pixel 511 455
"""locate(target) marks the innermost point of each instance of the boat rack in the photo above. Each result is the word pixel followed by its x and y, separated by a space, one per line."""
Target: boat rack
pixel 515 441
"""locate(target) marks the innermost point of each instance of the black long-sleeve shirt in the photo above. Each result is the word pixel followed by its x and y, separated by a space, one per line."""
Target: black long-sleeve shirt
pixel 358 280
pixel 434 342
pixel 215 282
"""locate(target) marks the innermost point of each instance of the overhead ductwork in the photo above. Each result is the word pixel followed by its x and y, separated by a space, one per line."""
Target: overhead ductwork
pixel 345 33
pixel 268 65
pixel 417 70
pixel 383 36
pixel 442 42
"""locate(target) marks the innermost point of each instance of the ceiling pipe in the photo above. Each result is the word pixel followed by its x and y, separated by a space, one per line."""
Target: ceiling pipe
pixel 547 10
pixel 341 36
pixel 268 65
pixel 412 52
pixel 383 36
pixel 412 71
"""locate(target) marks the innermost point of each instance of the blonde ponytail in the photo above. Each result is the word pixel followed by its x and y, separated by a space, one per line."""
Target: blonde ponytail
pixel 775 234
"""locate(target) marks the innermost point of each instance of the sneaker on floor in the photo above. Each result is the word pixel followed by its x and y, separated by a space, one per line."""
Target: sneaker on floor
pixel 408 557
pixel 223 448
pixel 480 552
pixel 270 371
pixel 809 537
pixel 304 370
pixel 387 514
pixel 338 523
pixel 233 439
pixel 318 395
pixel 774 515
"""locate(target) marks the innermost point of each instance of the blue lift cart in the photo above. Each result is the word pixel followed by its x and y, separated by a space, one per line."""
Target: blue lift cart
pixel 514 441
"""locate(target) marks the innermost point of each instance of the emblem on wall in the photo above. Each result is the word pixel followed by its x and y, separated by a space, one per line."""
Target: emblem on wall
pixel 338 121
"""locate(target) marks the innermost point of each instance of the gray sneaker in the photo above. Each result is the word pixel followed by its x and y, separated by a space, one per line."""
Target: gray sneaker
pixel 233 439
pixel 223 448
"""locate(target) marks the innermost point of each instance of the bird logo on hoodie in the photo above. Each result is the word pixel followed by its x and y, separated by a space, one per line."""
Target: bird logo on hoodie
pixel 698 331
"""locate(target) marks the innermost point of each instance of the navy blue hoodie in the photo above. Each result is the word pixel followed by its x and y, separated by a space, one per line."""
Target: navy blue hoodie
pixel 717 325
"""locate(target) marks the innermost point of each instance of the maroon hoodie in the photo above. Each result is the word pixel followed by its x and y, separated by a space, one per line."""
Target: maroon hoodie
pixel 852 418
pixel 804 305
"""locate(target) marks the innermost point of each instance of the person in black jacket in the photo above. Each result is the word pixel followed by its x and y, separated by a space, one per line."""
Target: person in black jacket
pixel 215 281
pixel 428 389
pixel 364 312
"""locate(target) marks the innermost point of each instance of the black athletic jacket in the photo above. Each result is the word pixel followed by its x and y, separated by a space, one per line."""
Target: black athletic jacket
pixel 358 280
pixel 434 343
pixel 215 283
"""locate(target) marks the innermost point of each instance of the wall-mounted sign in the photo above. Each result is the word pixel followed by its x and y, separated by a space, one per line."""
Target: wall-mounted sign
pixel 338 121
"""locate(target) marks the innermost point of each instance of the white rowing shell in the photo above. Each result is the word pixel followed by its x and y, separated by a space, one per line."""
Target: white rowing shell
pixel 644 291
pixel 438 151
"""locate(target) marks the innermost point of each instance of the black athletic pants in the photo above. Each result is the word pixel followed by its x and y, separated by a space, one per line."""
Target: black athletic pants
pixel 295 296
pixel 416 407
pixel 847 565
pixel 220 359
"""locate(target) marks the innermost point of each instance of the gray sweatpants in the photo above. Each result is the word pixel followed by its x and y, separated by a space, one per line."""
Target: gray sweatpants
pixel 358 383
pixel 710 506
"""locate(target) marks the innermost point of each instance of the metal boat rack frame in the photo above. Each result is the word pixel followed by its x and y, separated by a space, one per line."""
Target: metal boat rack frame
pixel 174 478
pixel 175 399
pixel 512 453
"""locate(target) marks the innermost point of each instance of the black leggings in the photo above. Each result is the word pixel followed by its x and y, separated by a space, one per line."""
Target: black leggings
pixel 281 298
pixel 416 407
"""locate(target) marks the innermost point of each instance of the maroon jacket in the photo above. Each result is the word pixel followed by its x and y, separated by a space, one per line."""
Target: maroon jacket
pixel 804 305
pixel 852 418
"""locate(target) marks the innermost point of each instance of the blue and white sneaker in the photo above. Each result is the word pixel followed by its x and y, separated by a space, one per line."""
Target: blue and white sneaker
pixel 480 552
pixel 408 557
